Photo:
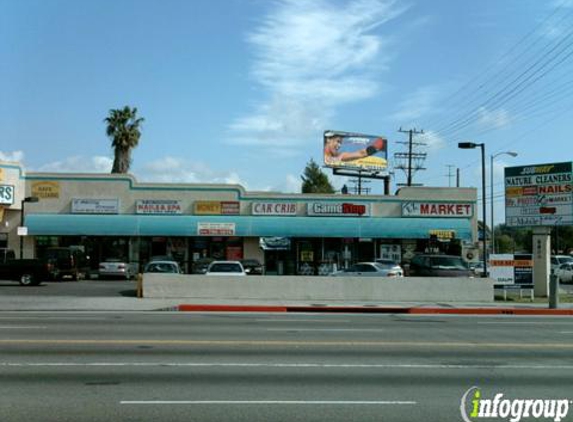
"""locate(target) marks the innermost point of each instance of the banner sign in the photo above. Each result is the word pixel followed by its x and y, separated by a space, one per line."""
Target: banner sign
pixel 158 206
pixel 355 151
pixel 217 208
pixel 443 235
pixel 274 208
pixel 337 209
pixel 6 194
pixel 539 195
pixel 274 243
pixel 509 269
pixel 437 209
pixel 46 189
pixel 216 229
pixel 95 206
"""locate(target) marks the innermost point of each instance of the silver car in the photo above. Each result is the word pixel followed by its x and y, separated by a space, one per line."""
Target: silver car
pixel 115 267
pixel 163 267
pixel 370 269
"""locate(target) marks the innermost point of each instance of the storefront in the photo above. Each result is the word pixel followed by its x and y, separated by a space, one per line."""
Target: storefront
pixel 114 216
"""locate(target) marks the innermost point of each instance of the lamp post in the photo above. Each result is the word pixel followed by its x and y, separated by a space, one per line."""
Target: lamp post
pixel 512 154
pixel 27 199
pixel 472 145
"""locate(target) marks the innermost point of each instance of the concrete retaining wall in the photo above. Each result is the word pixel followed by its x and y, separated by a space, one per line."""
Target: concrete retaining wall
pixel 297 288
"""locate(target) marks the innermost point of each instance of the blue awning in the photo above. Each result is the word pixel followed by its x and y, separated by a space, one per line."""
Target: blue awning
pixel 245 226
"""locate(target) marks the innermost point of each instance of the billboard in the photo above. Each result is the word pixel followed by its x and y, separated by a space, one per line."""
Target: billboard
pixel 355 151
pixel 539 195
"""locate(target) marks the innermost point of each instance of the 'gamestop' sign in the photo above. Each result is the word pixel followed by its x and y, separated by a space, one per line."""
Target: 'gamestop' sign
pixel 338 209
pixel 436 209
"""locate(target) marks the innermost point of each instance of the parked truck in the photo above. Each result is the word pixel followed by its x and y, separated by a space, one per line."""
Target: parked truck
pixel 28 272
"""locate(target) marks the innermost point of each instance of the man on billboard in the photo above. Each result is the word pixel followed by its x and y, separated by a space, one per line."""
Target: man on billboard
pixel 351 156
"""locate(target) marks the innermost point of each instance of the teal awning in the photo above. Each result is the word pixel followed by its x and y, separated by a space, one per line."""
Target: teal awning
pixel 245 226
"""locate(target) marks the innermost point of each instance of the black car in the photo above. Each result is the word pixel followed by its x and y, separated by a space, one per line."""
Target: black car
pixel 424 265
pixel 252 266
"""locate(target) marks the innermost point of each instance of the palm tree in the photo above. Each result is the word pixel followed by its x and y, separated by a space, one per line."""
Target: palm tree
pixel 123 130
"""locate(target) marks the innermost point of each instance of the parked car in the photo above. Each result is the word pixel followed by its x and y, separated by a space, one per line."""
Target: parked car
pixel 558 260
pixel 164 267
pixel 28 272
pixel 370 269
pixel 424 265
pixel 115 267
pixel 66 262
pixel 565 273
pixel 392 266
pixel 230 268
pixel 252 266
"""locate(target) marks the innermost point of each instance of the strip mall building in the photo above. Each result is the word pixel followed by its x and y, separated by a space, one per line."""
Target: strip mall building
pixel 114 216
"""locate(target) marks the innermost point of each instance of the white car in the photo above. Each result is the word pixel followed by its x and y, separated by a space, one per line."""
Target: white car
pixel 558 260
pixel 227 268
pixel 565 273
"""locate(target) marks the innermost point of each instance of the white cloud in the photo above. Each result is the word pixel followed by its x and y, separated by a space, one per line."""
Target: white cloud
pixel 78 164
pixel 493 118
pixel 293 184
pixel 13 156
pixel 432 140
pixel 419 104
pixel 311 57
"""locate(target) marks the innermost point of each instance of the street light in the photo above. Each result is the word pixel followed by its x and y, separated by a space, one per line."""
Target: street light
pixel 512 154
pixel 472 145
pixel 27 199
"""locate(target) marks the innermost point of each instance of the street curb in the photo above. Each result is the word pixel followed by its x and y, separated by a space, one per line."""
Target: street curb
pixel 375 310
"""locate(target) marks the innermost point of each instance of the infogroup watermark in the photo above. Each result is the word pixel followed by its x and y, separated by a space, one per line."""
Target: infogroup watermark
pixel 474 407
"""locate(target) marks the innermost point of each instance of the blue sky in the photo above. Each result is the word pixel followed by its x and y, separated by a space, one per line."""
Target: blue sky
pixel 240 91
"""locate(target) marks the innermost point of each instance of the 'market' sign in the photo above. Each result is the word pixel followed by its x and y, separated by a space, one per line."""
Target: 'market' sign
pixel 436 209
pixel 539 195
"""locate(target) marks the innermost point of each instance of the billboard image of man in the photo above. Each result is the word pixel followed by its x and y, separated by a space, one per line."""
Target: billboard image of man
pixel 356 151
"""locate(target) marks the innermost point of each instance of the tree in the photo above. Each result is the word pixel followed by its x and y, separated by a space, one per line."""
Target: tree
pixel 314 180
pixel 123 130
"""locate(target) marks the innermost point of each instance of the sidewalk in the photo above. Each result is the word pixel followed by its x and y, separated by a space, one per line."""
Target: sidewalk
pixel 127 304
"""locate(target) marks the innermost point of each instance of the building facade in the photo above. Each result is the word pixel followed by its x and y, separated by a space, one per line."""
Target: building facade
pixel 114 216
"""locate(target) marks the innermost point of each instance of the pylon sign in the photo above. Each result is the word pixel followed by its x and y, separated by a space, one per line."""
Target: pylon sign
pixel 539 195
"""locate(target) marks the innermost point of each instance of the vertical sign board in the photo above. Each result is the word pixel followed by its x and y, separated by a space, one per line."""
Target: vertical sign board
pixel 539 195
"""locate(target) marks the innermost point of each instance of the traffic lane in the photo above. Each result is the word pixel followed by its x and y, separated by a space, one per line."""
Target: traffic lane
pixel 379 329
pixel 175 392
pixel 82 288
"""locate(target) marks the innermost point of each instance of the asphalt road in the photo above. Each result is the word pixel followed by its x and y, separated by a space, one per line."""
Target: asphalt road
pixel 164 366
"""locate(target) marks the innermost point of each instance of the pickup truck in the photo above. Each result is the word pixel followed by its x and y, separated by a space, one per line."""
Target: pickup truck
pixel 28 272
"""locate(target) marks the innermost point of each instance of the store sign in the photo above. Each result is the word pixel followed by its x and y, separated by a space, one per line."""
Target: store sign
pixel 153 206
pixel 507 269
pixel 436 209
pixel 95 206
pixel 539 195
pixel 274 208
pixel 443 235
pixel 46 189
pixel 338 209
pixel 217 207
pixel 6 194
pixel 216 229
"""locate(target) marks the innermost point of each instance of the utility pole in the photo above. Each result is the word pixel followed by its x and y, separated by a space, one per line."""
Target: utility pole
pixel 410 161
pixel 450 174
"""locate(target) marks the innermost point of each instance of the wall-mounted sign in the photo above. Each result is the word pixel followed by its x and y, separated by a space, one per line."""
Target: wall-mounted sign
pixel 443 235
pixel 436 209
pixel 274 208
pixel 95 206
pixel 6 194
pixel 46 189
pixel 217 207
pixel 274 243
pixel 338 209
pixel 216 229
pixel 539 195
pixel 158 206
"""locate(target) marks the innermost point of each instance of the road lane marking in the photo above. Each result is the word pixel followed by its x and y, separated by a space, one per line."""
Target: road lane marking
pixel 22 327
pixel 281 343
pixel 281 365
pixel 265 402
pixel 525 322
pixel 326 329
pixel 304 320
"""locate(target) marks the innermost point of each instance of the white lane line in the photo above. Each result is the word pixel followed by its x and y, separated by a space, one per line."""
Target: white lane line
pixel 303 320
pixel 285 365
pixel 525 322
pixel 265 402
pixel 17 327
pixel 327 329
